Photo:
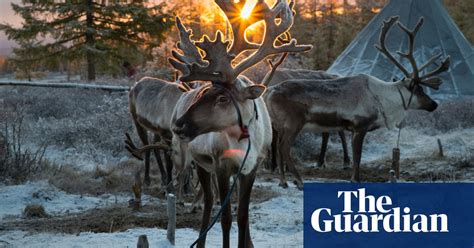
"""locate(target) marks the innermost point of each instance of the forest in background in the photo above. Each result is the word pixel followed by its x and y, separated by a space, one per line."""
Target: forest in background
pixel 328 25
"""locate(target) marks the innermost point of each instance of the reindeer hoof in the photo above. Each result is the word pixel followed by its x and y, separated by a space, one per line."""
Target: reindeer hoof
pixel 355 180
pixel 283 185
pixel 346 165
pixel 321 165
pixel 299 185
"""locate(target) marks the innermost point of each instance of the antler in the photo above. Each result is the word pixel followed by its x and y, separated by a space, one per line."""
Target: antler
pixel 138 152
pixel 232 11
pixel 273 66
pixel 190 54
pixel 219 57
pixel 272 32
pixel 386 26
pixel 409 55
pixel 411 44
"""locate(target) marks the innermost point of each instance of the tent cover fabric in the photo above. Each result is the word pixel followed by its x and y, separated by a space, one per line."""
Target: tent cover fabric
pixel 439 34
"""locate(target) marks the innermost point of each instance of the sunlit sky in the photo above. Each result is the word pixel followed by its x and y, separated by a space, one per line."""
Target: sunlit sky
pixel 7 15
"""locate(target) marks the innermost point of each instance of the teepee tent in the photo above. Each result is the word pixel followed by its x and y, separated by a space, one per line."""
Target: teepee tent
pixel 439 34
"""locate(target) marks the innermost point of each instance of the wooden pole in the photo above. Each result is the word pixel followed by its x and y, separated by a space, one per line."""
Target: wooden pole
pixel 171 209
pixel 440 147
pixel 109 88
pixel 142 242
pixel 396 162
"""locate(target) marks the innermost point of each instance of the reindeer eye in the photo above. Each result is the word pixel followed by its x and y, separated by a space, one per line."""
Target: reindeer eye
pixel 222 99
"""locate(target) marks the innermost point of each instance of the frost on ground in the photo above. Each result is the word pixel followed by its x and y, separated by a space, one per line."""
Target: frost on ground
pixel 276 222
pixel 56 202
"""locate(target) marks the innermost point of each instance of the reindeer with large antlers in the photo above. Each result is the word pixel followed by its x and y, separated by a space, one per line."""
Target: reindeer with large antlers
pixel 215 123
pixel 358 104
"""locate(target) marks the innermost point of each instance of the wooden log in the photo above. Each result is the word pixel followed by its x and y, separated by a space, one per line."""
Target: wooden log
pixel 171 210
pixel 396 162
pixel 109 88
pixel 142 242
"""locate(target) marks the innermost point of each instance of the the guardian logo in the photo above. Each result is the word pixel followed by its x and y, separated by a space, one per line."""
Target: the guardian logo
pixel 375 214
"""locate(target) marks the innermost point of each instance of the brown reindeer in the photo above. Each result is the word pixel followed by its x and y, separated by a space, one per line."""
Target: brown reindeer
pixel 151 104
pixel 310 76
pixel 358 104
pixel 215 123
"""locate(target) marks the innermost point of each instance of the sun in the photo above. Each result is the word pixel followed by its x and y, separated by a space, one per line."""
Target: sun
pixel 247 9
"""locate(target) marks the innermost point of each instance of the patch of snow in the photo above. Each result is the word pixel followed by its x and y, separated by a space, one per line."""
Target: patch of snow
pixel 56 202
pixel 271 222
pixel 79 160
pixel 415 143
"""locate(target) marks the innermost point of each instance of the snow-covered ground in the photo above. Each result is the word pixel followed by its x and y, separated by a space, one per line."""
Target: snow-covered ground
pixel 55 202
pixel 274 223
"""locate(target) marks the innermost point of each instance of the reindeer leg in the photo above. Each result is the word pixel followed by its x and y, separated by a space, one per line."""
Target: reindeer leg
pixel 226 218
pixel 197 198
pixel 286 155
pixel 357 142
pixel 274 151
pixel 281 164
pixel 246 184
pixel 324 147
pixel 169 166
pixel 347 160
pixel 142 133
pixel 164 176
pixel 215 185
pixel 205 179
pixel 188 187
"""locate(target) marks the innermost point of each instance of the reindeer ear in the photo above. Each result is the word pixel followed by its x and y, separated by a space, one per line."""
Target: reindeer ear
pixel 254 91
pixel 433 83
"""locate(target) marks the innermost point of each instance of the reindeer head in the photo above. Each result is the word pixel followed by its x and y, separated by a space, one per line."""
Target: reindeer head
pixel 413 82
pixel 213 106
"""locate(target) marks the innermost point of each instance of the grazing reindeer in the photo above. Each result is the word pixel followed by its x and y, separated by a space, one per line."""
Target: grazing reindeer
pixel 216 122
pixel 282 75
pixel 151 103
pixel 358 104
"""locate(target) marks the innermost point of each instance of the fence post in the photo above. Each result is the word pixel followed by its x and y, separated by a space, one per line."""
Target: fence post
pixel 440 148
pixel 142 242
pixel 171 210
pixel 396 162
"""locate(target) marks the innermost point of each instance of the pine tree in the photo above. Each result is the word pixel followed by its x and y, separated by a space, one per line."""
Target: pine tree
pixel 104 33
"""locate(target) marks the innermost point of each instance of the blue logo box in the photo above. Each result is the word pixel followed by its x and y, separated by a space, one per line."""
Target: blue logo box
pixel 407 215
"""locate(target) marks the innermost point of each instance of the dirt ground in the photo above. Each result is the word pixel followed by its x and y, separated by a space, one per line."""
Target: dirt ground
pixel 120 217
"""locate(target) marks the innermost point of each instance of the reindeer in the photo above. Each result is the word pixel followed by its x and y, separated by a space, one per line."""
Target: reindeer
pixel 275 77
pixel 150 101
pixel 358 104
pixel 219 121
pixel 151 104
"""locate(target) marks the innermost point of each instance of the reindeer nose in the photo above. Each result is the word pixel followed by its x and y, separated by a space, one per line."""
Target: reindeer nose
pixel 178 124
pixel 178 130
pixel 179 127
